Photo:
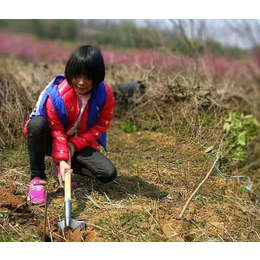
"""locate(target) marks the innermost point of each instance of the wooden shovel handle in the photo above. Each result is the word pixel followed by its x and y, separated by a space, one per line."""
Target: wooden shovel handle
pixel 68 181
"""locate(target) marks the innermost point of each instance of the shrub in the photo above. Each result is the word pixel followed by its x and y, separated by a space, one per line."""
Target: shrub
pixel 240 129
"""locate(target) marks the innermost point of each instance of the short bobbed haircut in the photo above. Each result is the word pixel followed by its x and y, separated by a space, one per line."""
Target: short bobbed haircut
pixel 88 61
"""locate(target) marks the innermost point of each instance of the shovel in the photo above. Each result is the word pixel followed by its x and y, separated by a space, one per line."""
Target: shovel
pixel 67 204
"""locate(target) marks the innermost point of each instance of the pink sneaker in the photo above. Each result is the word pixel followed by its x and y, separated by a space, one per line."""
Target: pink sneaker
pixel 37 191
pixel 56 169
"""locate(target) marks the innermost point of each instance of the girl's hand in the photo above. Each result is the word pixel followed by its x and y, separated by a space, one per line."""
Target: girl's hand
pixel 63 168
pixel 72 148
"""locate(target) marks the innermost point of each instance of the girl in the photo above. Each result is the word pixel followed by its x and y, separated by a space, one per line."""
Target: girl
pixel 71 118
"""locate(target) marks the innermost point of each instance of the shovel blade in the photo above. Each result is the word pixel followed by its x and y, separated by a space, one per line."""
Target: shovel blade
pixel 77 224
pixel 61 224
pixel 73 224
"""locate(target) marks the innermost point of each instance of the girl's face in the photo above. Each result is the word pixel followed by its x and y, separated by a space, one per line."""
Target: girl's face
pixel 82 84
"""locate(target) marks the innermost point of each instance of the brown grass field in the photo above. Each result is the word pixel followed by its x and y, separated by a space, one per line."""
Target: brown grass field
pixel 159 165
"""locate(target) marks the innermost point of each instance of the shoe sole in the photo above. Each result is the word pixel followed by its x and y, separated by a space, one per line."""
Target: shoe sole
pixel 35 204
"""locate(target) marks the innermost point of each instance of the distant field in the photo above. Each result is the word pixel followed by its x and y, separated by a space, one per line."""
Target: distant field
pixel 218 67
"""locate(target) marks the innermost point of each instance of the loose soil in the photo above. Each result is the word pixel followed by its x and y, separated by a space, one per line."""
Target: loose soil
pixel 19 209
pixel 69 234
pixel 9 199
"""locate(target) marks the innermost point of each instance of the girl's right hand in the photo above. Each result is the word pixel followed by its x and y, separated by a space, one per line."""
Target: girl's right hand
pixel 63 168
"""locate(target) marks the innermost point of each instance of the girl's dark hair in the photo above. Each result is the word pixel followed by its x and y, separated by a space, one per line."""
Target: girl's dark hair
pixel 86 60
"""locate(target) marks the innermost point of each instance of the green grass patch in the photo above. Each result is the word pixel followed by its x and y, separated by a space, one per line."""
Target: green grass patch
pixel 242 189
pixel 130 127
pixel 14 158
pixel 203 198
pixel 220 212
pixel 131 219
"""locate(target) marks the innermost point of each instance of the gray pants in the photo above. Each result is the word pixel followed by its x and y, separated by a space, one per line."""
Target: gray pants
pixel 39 144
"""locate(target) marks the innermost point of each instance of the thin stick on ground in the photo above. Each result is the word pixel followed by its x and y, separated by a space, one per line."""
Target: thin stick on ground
pixel 192 195
pixel 50 230
pixel 45 217
pixel 211 169
pixel 96 226
pixel 62 230
pixel 91 199
pixel 60 236
pixel 13 211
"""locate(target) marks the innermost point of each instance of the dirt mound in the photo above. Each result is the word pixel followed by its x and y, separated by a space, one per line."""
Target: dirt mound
pixel 69 234
pixel 14 208
pixel 9 199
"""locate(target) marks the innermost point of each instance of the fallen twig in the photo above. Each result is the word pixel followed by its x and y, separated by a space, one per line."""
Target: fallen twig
pixel 112 204
pixel 91 199
pixel 62 230
pixel 13 211
pixel 45 217
pixel 60 236
pixel 50 230
pixel 90 224
pixel 211 169
pixel 153 218
pixel 192 195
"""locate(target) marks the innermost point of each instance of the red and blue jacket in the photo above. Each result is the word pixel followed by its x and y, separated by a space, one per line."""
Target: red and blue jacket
pixel 58 103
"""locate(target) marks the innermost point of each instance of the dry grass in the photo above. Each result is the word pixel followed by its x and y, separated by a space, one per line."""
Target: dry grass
pixel 159 166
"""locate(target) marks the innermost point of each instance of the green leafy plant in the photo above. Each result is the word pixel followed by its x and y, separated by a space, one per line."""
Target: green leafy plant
pixel 240 130
pixel 3 213
pixel 130 127
pixel 209 149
